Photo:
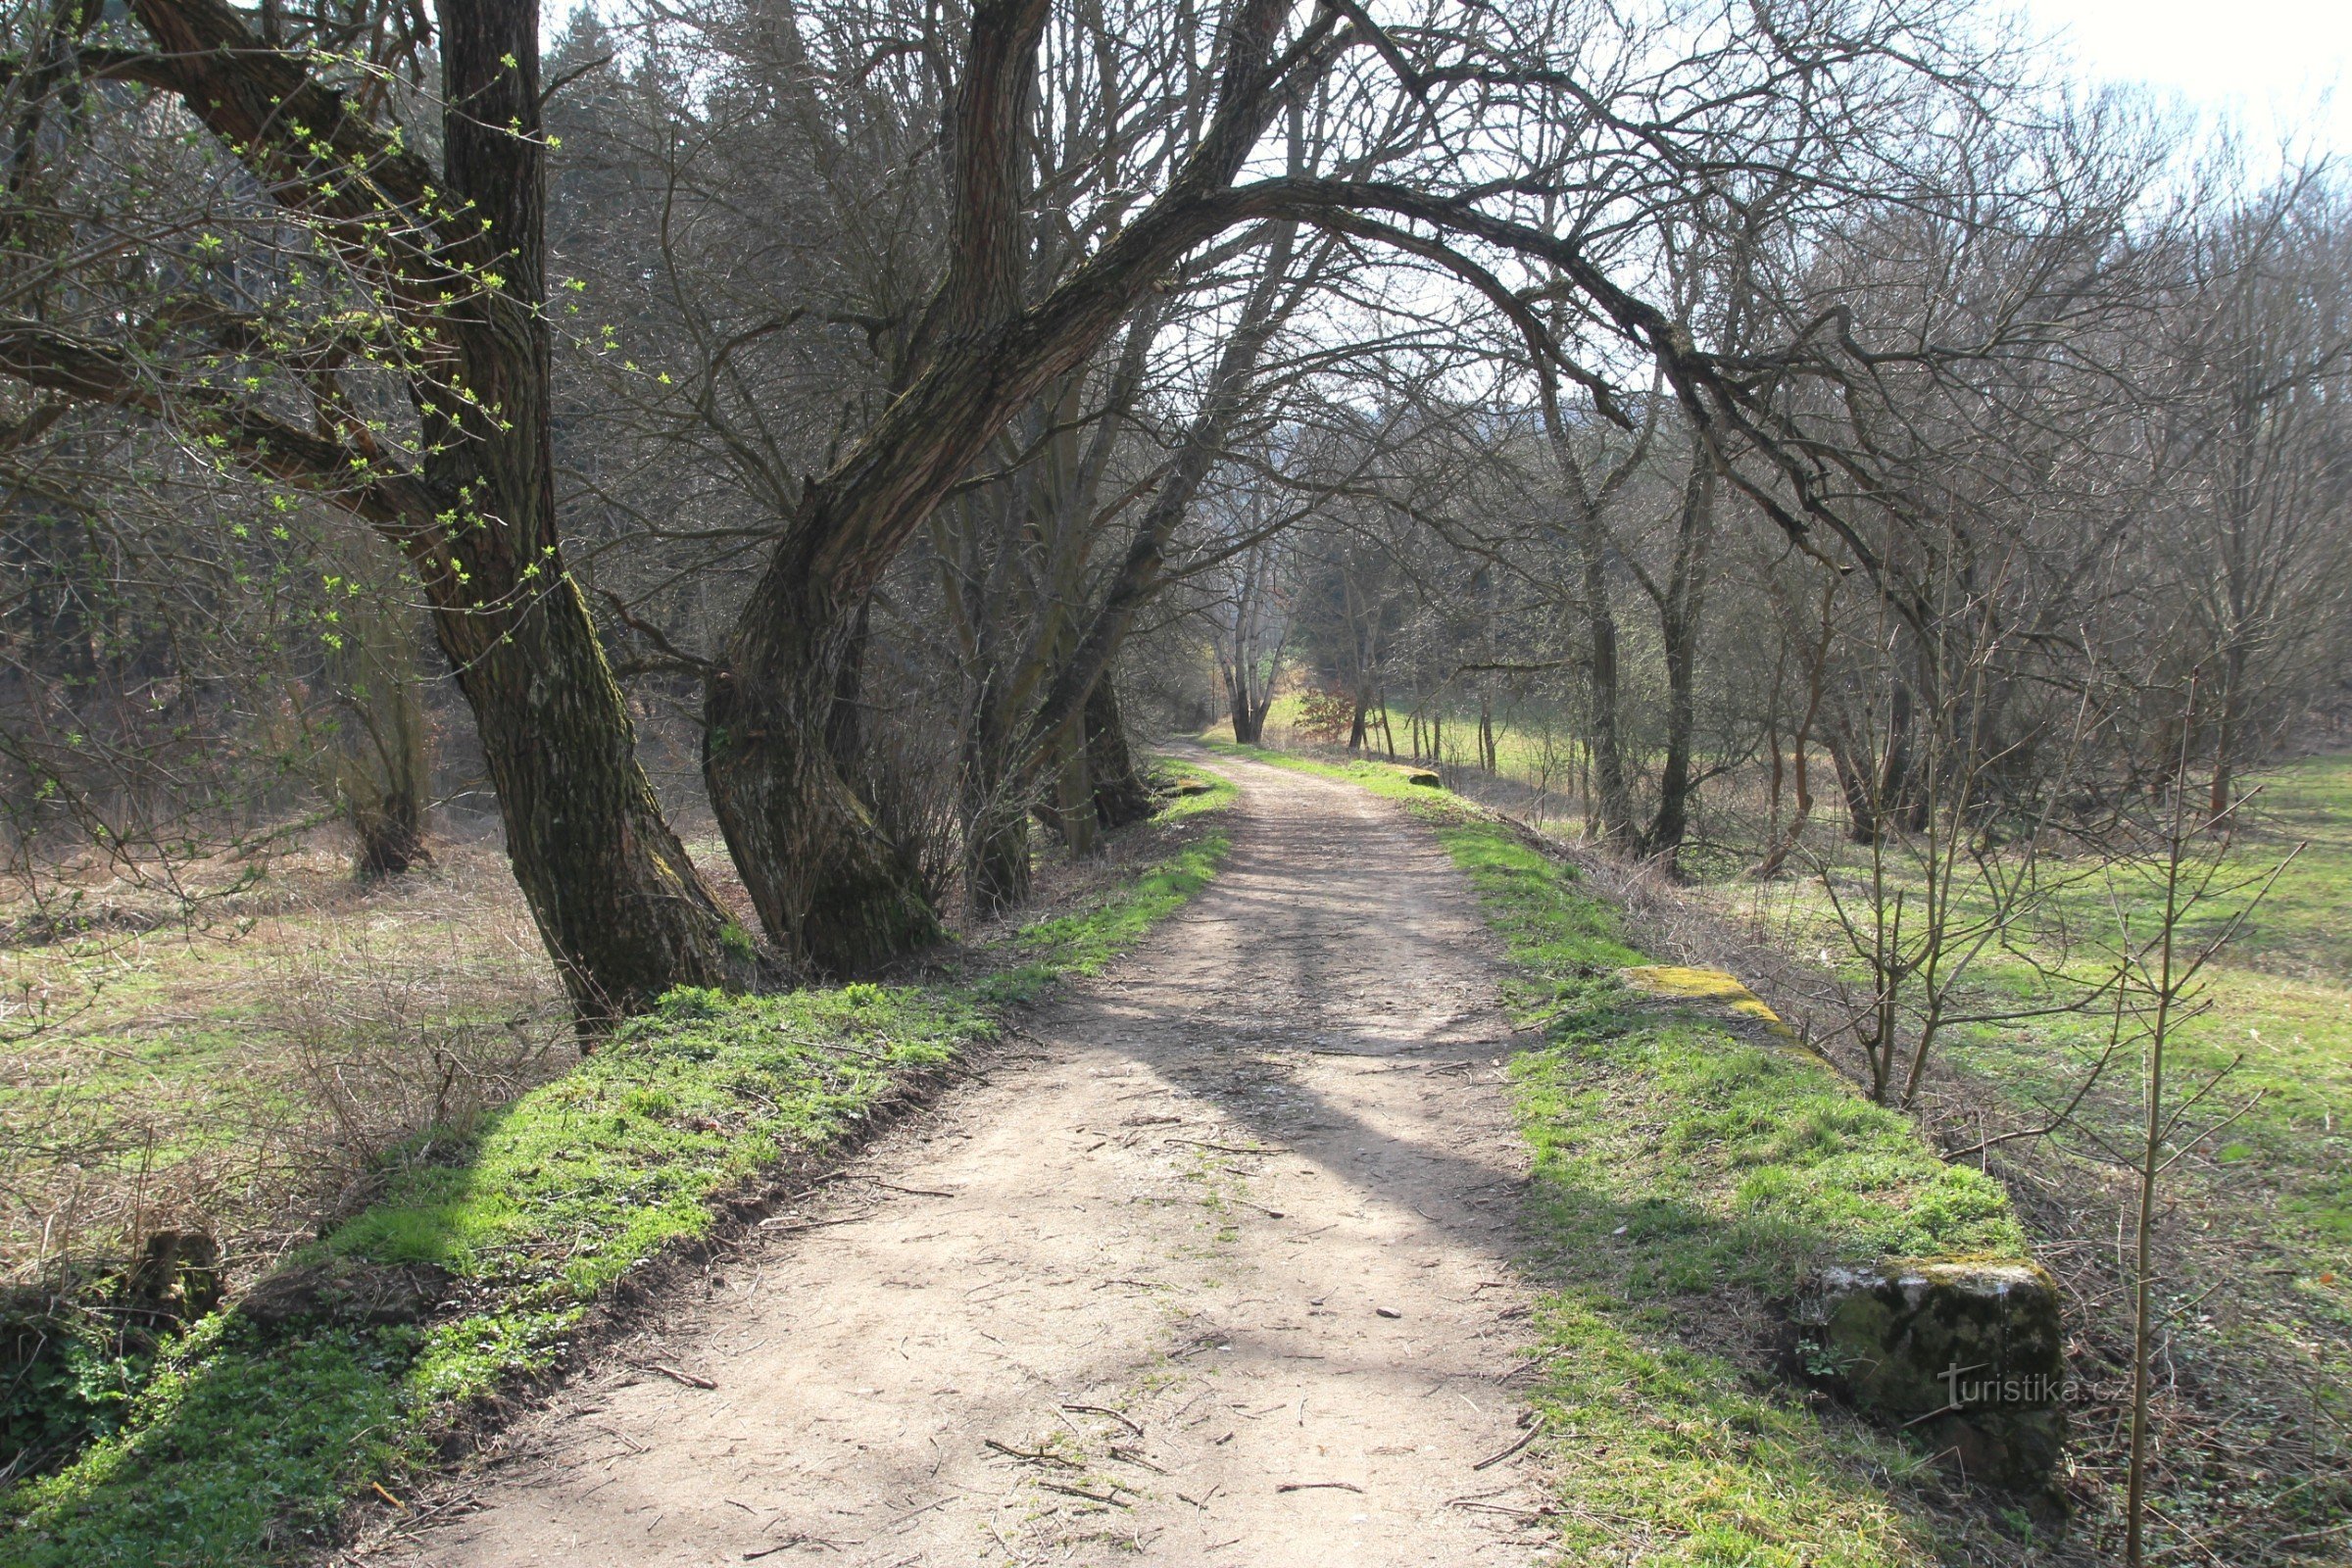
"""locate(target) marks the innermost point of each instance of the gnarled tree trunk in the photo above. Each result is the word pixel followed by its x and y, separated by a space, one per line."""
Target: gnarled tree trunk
pixel 615 896
pixel 1122 798
pixel 830 887
pixel 616 901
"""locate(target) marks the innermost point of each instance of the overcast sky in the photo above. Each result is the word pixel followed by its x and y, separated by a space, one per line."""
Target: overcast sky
pixel 2274 62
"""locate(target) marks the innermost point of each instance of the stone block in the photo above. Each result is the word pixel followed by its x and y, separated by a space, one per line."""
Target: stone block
pixel 1968 1354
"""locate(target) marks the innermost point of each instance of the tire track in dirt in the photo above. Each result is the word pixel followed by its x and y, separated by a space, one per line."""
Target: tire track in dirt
pixel 1218 1271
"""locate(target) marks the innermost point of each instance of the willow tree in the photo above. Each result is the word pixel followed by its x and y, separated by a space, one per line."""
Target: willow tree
pixel 1631 121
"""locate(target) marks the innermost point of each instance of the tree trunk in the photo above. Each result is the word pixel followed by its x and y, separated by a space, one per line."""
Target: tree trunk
pixel 617 904
pixel 996 862
pixel 1612 802
pixel 1679 621
pixel 998 869
pixel 616 901
pixel 830 887
pixel 1122 798
pixel 1074 796
pixel 1247 715
pixel 1901 794
pixel 1854 780
pixel 391 835
pixel 2222 790
pixel 381 769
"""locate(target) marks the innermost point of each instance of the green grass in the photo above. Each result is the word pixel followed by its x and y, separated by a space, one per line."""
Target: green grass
pixel 245 1444
pixel 1526 750
pixel 1682 1167
pixel 2278 1003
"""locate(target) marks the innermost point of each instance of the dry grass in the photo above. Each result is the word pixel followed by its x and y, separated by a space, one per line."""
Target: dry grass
pixel 245 1064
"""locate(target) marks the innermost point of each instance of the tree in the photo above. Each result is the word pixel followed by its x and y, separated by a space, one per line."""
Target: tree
pixel 397 365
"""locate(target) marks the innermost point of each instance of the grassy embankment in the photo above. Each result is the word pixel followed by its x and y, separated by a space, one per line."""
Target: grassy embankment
pixel 1686 1174
pixel 246 1442
pixel 2280 996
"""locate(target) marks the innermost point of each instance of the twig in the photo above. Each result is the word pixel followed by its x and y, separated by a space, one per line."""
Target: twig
pixel 1533 1431
pixel 1496 1507
pixel 1034 1456
pixel 786 1224
pixel 1095 1409
pixel 916 1192
pixel 1225 1148
pixel 677 1376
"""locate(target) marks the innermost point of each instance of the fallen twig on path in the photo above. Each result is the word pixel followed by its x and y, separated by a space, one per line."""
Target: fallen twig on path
pixel 1533 1432
pixel 675 1376
pixel 1095 1409
pixel 1032 1455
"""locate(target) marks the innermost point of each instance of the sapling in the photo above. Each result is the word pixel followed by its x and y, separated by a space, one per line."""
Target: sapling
pixel 2160 964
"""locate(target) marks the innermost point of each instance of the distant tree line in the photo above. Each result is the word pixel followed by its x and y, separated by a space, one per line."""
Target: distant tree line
pixel 889 407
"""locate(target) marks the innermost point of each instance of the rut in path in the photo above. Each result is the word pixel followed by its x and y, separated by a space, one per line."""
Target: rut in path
pixel 1254 1191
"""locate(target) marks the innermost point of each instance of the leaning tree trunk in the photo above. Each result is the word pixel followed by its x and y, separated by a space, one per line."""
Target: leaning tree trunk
pixel 829 885
pixel 1121 796
pixel 615 899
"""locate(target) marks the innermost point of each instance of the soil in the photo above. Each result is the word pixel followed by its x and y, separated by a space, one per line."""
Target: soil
pixel 1213 1267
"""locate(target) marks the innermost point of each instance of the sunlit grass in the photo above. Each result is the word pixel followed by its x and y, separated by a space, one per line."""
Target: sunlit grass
pixel 1680 1162
pixel 245 1442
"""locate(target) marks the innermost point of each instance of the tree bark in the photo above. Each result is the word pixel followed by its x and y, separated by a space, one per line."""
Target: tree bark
pixel 1856 782
pixel 1680 620
pixel 615 896
pixel 1612 800
pixel 830 887
pixel 1122 798
pixel 998 869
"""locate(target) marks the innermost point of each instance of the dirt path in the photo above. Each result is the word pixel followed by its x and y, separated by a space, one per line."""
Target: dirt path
pixel 1253 1190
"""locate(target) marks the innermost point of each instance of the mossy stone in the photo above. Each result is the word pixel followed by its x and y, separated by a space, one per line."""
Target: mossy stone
pixel 1969 1354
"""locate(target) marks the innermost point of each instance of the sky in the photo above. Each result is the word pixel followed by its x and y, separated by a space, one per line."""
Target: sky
pixel 2270 62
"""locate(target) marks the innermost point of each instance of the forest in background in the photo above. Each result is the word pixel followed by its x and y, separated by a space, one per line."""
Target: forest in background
pixel 762 473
